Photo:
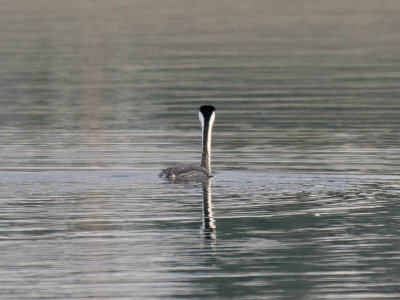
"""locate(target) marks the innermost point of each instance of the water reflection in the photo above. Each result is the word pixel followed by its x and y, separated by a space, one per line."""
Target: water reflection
pixel 209 227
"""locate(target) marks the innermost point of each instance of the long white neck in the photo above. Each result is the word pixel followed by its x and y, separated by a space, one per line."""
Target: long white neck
pixel 206 134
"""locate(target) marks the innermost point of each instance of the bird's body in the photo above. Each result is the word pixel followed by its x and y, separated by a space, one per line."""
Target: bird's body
pixel 185 173
pixel 190 173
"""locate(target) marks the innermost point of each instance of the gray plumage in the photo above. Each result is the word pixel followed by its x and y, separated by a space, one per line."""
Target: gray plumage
pixel 185 173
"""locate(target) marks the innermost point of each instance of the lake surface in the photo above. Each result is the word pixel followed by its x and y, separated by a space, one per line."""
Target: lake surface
pixel 97 96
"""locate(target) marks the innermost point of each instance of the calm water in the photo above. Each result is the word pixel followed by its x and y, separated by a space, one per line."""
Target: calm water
pixel 97 96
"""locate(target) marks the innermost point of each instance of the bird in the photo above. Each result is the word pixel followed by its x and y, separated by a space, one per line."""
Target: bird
pixel 193 173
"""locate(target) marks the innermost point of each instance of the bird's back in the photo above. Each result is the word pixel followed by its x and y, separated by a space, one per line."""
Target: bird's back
pixel 185 173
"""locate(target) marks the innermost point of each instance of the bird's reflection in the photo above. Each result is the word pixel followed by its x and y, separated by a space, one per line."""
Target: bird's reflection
pixel 209 227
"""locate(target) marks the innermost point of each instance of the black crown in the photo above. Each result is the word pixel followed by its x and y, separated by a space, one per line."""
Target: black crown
pixel 206 111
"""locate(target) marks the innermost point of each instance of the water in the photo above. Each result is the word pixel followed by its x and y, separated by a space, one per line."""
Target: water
pixel 97 96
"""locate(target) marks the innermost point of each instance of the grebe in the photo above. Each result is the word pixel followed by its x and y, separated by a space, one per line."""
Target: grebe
pixel 202 172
